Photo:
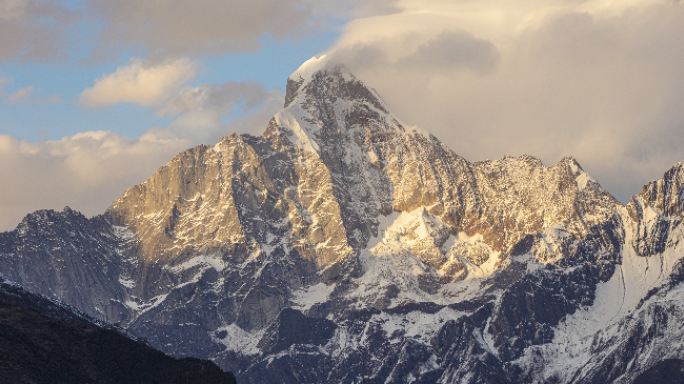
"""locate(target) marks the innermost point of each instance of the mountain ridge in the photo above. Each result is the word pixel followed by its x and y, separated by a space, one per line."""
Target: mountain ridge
pixel 413 264
pixel 43 340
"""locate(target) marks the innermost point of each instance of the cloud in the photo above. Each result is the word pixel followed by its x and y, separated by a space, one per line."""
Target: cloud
pixel 34 30
pixel 3 81
pixel 353 9
pixel 25 96
pixel 449 53
pixel 597 80
pixel 200 111
pixel 49 30
pixel 178 27
pixel 140 82
pixel 54 99
pixel 219 98
pixel 255 122
pixel 21 95
pixel 87 171
pixel 452 50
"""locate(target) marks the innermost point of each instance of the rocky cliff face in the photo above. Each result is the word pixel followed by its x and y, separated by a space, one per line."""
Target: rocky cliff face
pixel 343 246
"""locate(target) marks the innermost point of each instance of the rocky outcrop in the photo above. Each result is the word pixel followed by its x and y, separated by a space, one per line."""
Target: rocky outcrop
pixel 67 256
pixel 664 195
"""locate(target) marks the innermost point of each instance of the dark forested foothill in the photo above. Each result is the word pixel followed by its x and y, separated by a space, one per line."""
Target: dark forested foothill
pixel 71 349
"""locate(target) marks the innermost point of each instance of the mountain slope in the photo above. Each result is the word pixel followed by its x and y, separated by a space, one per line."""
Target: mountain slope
pixel 43 341
pixel 345 246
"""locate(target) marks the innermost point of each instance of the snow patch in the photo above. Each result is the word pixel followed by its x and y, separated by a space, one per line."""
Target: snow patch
pixel 582 178
pixel 310 67
pixel 614 308
pixel 486 269
pixel 617 297
pixel 203 260
pixel 291 118
pixel 384 222
pixel 217 147
pixel 152 303
pixel 123 232
pixel 411 227
pixel 650 214
pixel 463 243
pixel 416 324
pixel 132 305
pixel 126 282
pixel 237 339
pixel 306 297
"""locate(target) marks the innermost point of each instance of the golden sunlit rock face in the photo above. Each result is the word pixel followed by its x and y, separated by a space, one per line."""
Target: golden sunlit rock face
pixel 328 167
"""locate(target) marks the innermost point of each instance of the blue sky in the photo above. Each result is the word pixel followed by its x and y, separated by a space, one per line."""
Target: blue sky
pixel 95 95
pixel 270 66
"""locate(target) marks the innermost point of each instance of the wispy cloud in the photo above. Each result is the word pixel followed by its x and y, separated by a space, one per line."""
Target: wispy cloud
pixel 25 95
pixel 3 81
pixel 54 99
pixel 199 111
pixel 48 30
pixel 21 95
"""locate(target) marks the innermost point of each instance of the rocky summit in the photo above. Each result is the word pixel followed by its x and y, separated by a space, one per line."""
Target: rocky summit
pixel 344 246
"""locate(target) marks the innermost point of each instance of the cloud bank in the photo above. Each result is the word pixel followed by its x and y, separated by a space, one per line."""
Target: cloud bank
pixel 205 27
pixel 597 80
pixel 35 30
pixel 83 171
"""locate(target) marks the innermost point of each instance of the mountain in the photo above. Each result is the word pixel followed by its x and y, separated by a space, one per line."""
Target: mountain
pixel 46 341
pixel 344 246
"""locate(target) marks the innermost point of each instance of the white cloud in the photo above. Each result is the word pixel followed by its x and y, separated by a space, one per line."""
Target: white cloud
pixel 219 98
pixel 140 82
pixel 255 122
pixel 200 111
pixel 598 80
pixel 87 171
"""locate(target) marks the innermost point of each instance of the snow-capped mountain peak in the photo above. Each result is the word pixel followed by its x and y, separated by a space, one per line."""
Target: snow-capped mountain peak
pixel 345 246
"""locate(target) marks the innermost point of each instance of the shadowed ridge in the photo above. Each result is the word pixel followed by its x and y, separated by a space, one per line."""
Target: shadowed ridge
pixel 42 341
